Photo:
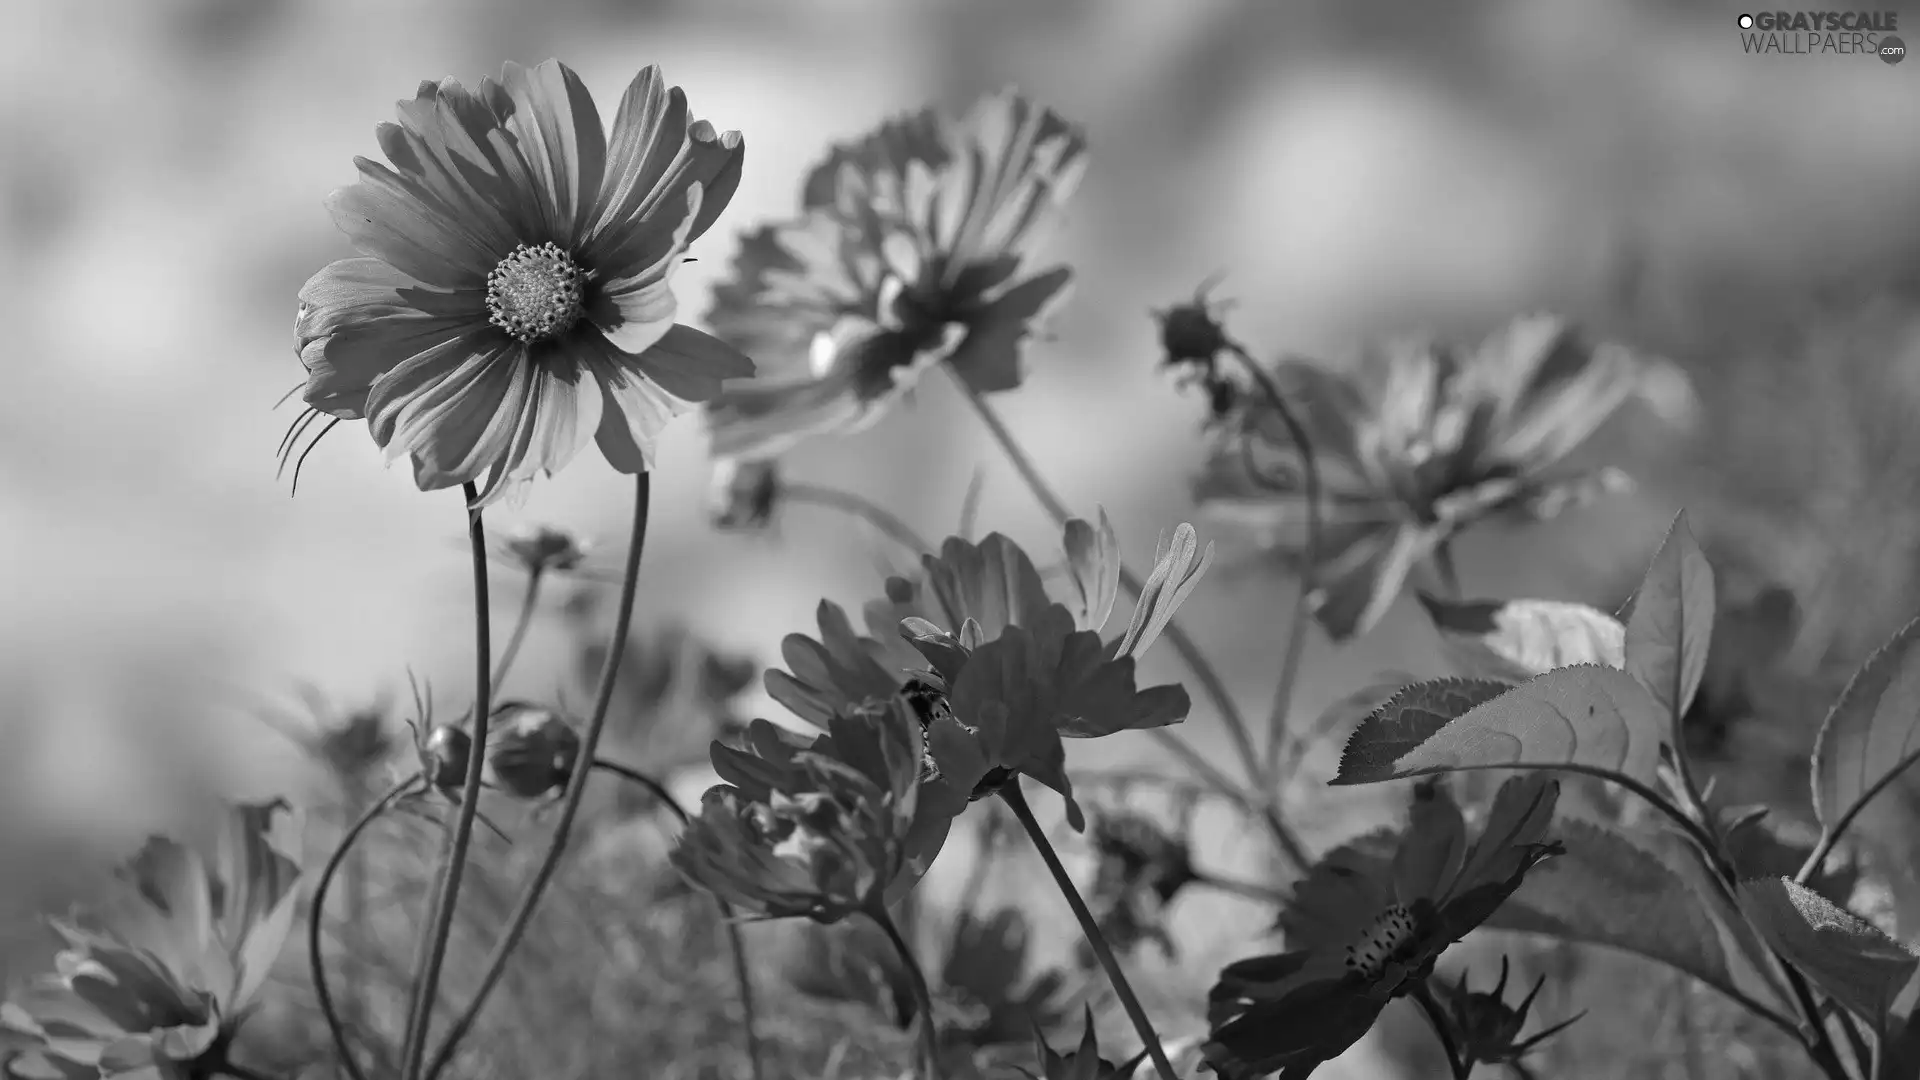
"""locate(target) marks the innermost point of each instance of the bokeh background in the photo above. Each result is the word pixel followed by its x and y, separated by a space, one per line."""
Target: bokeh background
pixel 1354 169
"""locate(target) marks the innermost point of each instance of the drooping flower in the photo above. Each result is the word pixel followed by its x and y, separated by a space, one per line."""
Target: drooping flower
pixel 1487 1029
pixel 817 828
pixel 1367 924
pixel 156 985
pixel 515 296
pixel 1426 441
pixel 907 253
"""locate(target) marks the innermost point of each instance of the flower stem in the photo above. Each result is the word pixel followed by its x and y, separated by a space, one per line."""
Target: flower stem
pixel 922 997
pixel 576 782
pixel 528 600
pixel 1203 672
pixel 741 973
pixel 880 518
pixel 453 862
pixel 1281 713
pixel 1095 939
pixel 316 960
pixel 1460 1067
pixel 1443 564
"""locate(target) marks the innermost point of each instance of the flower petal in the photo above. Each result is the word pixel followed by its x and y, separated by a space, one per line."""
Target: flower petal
pixel 554 120
pixel 450 141
pixel 451 408
pixel 561 413
pixel 634 408
pixel 397 221
pixel 988 358
pixel 359 318
pixel 691 364
pixel 633 312
pixel 654 155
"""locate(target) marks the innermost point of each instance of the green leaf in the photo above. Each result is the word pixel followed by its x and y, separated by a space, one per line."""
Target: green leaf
pixel 1407 719
pixel 1672 621
pixel 1643 892
pixel 1872 732
pixel 1845 955
pixel 1514 640
pixel 1586 718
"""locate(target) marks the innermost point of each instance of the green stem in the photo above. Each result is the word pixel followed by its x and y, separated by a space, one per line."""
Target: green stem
pixel 1444 565
pixel 741 973
pixel 528 600
pixel 1203 672
pixel 1017 801
pixel 880 518
pixel 576 781
pixel 316 910
pixel 453 863
pixel 922 997
pixel 1423 996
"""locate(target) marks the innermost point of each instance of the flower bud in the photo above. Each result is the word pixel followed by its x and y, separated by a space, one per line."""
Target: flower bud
pixel 443 755
pixel 744 494
pixel 531 750
pixel 545 548
pixel 1191 336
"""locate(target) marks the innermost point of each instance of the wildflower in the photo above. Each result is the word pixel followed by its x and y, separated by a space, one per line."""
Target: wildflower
pixel 743 494
pixel 515 296
pixel 159 982
pixel 907 253
pixel 1367 924
pixel 1427 442
pixel 1082 1064
pixel 531 750
pixel 1139 868
pixel 815 828
pixel 1487 1029
pixel 542 549
pixel 1192 338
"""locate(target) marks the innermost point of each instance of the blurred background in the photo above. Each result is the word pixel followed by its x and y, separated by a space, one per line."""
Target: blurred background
pixel 1353 168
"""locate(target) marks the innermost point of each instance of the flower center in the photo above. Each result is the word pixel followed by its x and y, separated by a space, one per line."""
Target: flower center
pixel 536 292
pixel 1390 932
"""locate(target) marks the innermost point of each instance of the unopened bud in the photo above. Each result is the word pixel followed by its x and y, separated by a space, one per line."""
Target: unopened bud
pixel 443 755
pixel 531 750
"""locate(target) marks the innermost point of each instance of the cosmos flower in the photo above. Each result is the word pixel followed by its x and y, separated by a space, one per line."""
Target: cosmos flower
pixel 816 828
pixel 155 986
pixel 1139 868
pixel 1366 926
pixel 515 296
pixel 907 253
pixel 1427 441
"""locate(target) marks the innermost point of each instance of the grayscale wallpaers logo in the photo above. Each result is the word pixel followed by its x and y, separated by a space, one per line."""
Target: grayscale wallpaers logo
pixel 1843 33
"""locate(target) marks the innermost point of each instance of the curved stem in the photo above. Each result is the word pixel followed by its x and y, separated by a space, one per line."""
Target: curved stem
pixel 922 997
pixel 1423 996
pixel 316 960
pixel 1840 825
pixel 741 972
pixel 453 863
pixel 883 520
pixel 576 781
pixel 1278 717
pixel 1017 801
pixel 528 600
pixel 1249 889
pixel 1203 672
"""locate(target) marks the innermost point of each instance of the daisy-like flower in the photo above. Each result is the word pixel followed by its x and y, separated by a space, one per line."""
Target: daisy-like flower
pixel 907 253
pixel 1428 440
pixel 156 986
pixel 515 296
pixel 1367 925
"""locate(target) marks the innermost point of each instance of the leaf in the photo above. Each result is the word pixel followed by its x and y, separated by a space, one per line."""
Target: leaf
pixel 1639 892
pixel 1872 732
pixel 1586 717
pixel 1514 640
pixel 1672 621
pixel 1845 955
pixel 1409 718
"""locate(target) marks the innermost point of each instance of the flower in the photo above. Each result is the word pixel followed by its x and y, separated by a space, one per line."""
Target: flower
pixel 531 750
pixel 907 253
pixel 1138 869
pixel 514 300
pixel 158 983
pixel 1366 925
pixel 1082 1064
pixel 818 828
pixel 1426 442
pixel 1487 1029
pixel 543 548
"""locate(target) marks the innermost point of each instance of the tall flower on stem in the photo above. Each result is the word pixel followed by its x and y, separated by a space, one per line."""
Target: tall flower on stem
pixel 514 299
pixel 1426 441
pixel 907 253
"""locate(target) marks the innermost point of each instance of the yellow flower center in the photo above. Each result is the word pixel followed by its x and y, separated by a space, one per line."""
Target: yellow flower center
pixel 536 292
pixel 1390 932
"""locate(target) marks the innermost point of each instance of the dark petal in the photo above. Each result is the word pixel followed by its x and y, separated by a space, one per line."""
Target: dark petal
pixel 1299 1031
pixel 656 155
pixel 561 413
pixel 448 142
pixel 988 358
pixel 458 436
pixel 764 419
pixel 633 312
pixel 442 402
pixel 691 364
pixel 559 133
pixel 359 318
pixel 389 218
pixel 1336 902
pixel 634 408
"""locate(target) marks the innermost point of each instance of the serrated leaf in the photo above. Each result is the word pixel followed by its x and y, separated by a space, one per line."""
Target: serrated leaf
pixel 1845 955
pixel 1872 732
pixel 1514 640
pixel 1639 892
pixel 1587 718
pixel 1672 621
pixel 1408 719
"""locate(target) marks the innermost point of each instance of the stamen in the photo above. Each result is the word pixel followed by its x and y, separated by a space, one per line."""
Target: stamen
pixel 1390 932
pixel 536 292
